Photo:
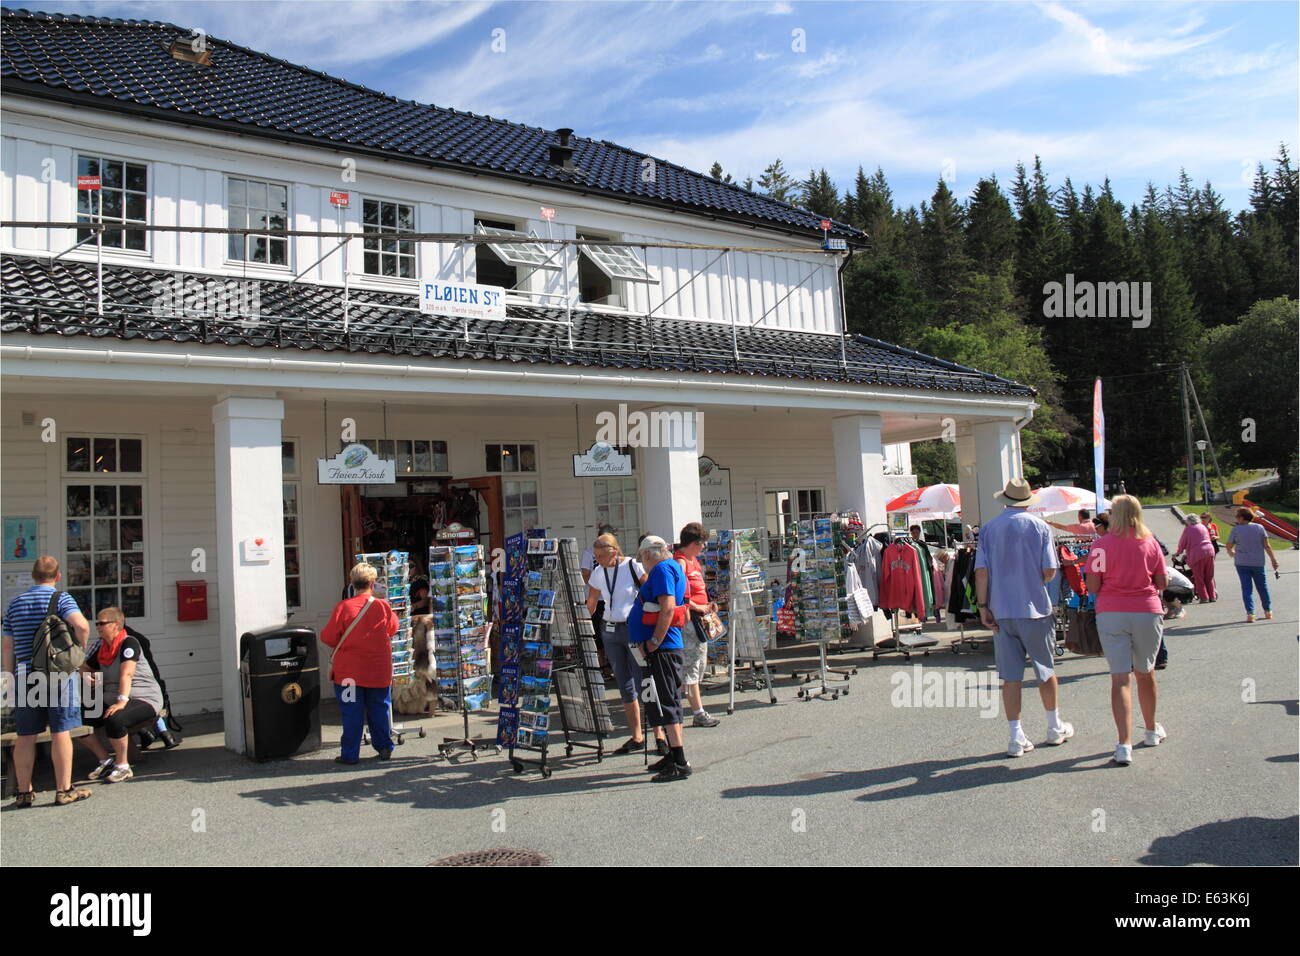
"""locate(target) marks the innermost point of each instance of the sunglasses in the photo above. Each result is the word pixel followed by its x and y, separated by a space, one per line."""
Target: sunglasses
pixel 102 623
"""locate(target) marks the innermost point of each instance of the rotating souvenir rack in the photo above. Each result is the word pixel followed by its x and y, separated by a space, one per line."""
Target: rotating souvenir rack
pixel 458 603
pixel 553 651
pixel 392 584
pixel 734 576
pixel 817 590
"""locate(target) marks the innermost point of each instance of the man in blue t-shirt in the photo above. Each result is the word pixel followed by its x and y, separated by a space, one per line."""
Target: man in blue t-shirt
pixel 1014 562
pixel 662 600
pixel 56 705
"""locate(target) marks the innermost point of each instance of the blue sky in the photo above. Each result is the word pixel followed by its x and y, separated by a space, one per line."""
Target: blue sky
pixel 1133 91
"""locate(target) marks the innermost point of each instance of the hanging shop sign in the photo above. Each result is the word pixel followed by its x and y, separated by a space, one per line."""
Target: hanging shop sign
pixel 464 300
pixel 455 532
pixel 355 465
pixel 715 494
pixel 601 460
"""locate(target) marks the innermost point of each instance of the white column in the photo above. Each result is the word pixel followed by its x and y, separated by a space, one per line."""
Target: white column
pixel 249 506
pixel 859 467
pixel 987 459
pixel 670 470
pixel 968 477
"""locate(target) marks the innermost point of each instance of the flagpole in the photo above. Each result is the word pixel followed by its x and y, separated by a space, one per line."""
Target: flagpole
pixel 1098 446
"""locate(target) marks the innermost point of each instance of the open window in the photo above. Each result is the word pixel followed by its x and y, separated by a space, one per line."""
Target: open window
pixel 498 263
pixel 602 270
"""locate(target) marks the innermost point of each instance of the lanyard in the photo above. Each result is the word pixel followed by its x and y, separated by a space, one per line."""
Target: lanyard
pixel 609 585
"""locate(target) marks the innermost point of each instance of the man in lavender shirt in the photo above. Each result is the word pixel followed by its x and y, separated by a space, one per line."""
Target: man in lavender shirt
pixel 1014 562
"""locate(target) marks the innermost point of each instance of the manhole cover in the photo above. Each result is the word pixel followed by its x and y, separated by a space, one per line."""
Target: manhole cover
pixel 501 856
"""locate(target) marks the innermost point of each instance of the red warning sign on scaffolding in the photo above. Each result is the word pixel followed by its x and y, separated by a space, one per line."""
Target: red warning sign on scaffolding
pixel 87 182
pixel 548 212
pixel 826 224
pixel 339 199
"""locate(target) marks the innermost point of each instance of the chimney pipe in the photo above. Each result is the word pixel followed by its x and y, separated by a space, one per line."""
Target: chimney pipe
pixel 561 153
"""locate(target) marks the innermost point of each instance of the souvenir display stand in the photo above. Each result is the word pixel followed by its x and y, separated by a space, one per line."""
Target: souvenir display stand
pixel 551 653
pixel 733 562
pixel 392 584
pixel 817 591
pixel 458 603
pixel 906 635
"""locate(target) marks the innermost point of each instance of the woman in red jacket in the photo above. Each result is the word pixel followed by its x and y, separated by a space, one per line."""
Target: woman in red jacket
pixel 361 667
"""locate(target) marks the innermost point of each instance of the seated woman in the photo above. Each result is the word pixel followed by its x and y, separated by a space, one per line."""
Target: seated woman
pixel 129 688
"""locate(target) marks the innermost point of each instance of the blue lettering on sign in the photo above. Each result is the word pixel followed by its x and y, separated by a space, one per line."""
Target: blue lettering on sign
pixel 449 293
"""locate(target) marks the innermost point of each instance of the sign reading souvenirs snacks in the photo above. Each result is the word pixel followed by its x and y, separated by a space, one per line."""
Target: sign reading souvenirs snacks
pixel 555 638
pixel 734 577
pixel 392 569
pixel 715 494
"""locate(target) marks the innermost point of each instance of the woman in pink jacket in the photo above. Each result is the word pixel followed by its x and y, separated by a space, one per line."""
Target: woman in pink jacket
pixel 1197 546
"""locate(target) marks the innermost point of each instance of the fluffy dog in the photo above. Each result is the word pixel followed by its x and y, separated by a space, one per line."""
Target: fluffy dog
pixel 419 695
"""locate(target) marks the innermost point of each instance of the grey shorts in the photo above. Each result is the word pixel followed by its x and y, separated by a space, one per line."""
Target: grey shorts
pixel 1020 636
pixel 696 653
pixel 1130 639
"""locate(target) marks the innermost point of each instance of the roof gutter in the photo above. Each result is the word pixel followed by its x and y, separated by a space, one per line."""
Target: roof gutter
pixel 603 380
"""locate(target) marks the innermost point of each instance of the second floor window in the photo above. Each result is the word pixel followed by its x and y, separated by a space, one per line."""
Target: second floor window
pixel 389 257
pixel 254 204
pixel 123 196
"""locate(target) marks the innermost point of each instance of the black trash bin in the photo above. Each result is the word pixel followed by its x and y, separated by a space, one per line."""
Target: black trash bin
pixel 280 677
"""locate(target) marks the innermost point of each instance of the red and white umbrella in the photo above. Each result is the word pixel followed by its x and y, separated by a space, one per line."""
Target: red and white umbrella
pixel 933 499
pixel 1058 499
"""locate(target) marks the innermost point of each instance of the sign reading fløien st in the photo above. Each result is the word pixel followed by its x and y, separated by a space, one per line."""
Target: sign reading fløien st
pixel 463 300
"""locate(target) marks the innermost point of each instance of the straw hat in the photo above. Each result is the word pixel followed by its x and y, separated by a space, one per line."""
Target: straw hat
pixel 1017 494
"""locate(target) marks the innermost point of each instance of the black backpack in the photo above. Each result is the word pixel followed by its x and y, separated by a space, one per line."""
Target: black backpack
pixel 147 650
pixel 55 649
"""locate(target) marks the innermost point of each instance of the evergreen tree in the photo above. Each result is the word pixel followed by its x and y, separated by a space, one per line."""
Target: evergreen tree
pixel 776 183
pixel 716 172
pixel 990 228
pixel 943 259
pixel 820 196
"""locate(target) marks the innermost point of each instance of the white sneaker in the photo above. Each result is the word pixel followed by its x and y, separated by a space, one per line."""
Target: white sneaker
pixel 1153 737
pixel 102 770
pixel 1019 746
pixel 1123 754
pixel 1060 735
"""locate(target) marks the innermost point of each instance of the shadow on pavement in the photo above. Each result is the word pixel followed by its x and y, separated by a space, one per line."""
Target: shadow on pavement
pixel 1245 841
pixel 1292 707
pixel 925 777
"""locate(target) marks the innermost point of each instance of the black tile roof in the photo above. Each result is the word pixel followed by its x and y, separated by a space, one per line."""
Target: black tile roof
pixel 123 65
pixel 60 299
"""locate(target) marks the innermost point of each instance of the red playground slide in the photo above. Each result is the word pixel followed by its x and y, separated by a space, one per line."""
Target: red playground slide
pixel 1274 525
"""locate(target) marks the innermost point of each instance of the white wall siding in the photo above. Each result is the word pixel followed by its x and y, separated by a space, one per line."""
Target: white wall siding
pixel 187 185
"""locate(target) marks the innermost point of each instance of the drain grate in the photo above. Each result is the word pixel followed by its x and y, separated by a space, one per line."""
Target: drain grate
pixel 501 856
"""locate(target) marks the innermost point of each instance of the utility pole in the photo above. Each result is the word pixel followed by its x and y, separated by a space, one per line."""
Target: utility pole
pixel 1213 455
pixel 1187 429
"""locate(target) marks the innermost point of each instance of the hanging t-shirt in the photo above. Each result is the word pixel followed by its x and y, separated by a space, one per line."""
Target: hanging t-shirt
pixel 666 577
pixel 900 579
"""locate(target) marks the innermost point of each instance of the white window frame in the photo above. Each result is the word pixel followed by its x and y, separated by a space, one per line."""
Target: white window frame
pixel 294 478
pixel 374 445
pixel 534 476
pixel 147 251
pixel 115 478
pixel 620 524
pixel 795 515
pixel 287 265
pixel 414 277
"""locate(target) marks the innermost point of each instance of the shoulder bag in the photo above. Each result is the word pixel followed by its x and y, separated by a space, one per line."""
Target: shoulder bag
pixel 355 621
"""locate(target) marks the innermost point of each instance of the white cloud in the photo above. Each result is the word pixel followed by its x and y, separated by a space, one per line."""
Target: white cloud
pixel 1114 53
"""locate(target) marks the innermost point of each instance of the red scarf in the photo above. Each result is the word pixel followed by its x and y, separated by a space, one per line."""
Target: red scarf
pixel 108 649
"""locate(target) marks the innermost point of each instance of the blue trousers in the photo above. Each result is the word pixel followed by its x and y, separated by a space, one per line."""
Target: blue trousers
pixel 1257 577
pixel 359 706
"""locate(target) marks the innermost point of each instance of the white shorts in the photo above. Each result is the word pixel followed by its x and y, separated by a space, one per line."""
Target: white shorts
pixel 696 653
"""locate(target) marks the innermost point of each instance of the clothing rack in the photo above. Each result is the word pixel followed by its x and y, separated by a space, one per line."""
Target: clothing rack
pixel 907 639
pixel 965 641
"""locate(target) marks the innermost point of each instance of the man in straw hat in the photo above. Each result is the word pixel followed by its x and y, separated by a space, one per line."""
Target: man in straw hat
pixel 1014 562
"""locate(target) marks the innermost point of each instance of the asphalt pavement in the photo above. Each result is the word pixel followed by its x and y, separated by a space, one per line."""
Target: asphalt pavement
pixel 881 775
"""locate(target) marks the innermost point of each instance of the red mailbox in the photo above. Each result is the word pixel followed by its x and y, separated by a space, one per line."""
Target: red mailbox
pixel 191 600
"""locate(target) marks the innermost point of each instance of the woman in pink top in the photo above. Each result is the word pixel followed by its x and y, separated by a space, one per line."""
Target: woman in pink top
pixel 1198 547
pixel 1126 571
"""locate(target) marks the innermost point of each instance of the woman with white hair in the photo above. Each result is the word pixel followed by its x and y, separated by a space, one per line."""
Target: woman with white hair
pixel 655 628
pixel 1126 571
pixel 361 667
pixel 1198 547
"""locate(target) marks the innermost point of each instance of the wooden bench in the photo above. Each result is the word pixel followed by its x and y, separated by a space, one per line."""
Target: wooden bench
pixel 7 742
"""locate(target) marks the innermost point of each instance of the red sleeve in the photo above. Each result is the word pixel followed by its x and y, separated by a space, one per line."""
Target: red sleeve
pixel 334 629
pixel 1155 560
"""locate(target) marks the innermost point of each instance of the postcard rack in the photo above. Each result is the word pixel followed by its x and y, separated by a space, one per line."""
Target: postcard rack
pixel 552 653
pixel 458 604
pixel 817 557
pixel 736 580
